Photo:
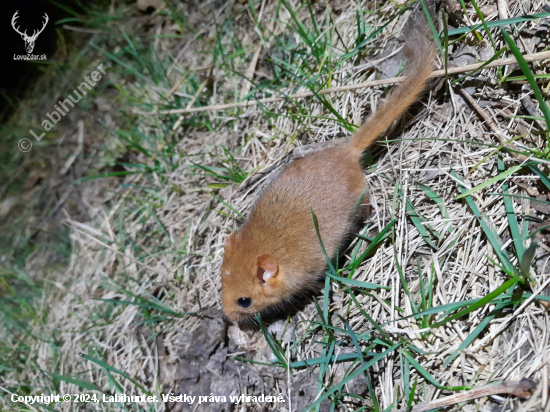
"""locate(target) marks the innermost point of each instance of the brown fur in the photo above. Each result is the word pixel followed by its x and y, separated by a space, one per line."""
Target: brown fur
pixel 277 254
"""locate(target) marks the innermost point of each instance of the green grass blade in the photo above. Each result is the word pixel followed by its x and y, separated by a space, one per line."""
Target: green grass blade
pixel 544 298
pixel 105 365
pixel 497 23
pixel 359 201
pixel 474 334
pixel 316 225
pixel 529 74
pixel 536 76
pixel 372 35
pixel 229 207
pixel 159 223
pixel 148 306
pixel 405 366
pixel 273 344
pixel 525 263
pixel 121 63
pixel 328 355
pixel 435 197
pixel 404 284
pixel 381 237
pixel 511 216
pixel 362 237
pixel 446 43
pixel 531 199
pixel 490 232
pixel 342 357
pixel 358 283
pixel 448 307
pixel 411 396
pixel 489 182
pixel 350 377
pixel 492 59
pixel 368 317
pixel 355 341
pixel 427 375
pixel 349 126
pixel 425 321
pixel 480 15
pixel 542 176
pixel 358 347
pixel 326 299
pixel 415 218
pixel 545 227
pixel 213 171
pixel 431 24
pixel 481 302
pixel 78 382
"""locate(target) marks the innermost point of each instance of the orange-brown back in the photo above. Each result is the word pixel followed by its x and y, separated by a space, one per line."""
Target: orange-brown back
pixel 281 225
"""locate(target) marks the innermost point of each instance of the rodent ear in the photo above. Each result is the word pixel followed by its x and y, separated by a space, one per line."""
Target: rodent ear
pixel 230 242
pixel 266 268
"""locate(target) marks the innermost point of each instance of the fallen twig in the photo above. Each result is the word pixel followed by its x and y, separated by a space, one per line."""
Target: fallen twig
pixel 436 73
pixel 522 388
pixel 493 126
pixel 249 74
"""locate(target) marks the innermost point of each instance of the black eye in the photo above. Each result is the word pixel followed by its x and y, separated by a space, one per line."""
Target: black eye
pixel 244 302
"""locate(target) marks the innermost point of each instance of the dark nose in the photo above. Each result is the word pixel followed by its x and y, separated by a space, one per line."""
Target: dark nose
pixel 244 302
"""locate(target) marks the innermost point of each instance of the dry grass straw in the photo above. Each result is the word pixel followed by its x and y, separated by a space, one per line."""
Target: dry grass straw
pixel 164 239
pixel 436 73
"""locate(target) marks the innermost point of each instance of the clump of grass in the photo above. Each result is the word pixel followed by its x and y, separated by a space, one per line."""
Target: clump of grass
pixel 231 170
pixel 437 257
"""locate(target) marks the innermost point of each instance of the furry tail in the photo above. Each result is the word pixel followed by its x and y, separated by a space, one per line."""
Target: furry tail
pixel 420 52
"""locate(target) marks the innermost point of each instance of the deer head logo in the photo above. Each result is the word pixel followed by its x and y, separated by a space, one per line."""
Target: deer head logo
pixel 29 40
